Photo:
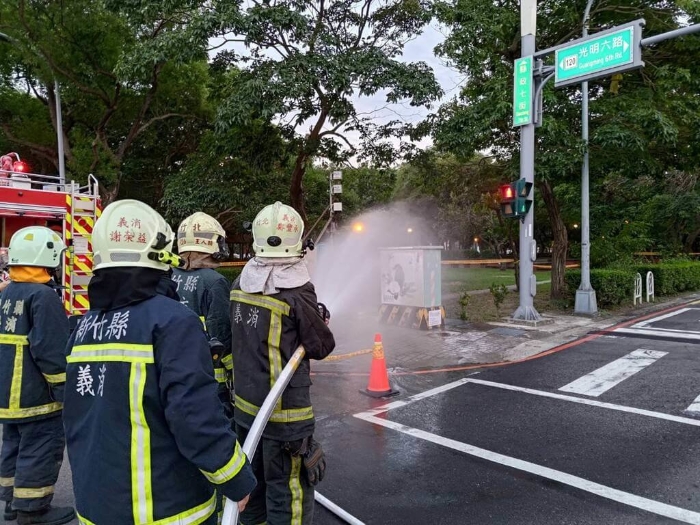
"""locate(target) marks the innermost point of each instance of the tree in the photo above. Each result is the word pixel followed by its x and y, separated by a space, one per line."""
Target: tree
pixel 653 110
pixel 122 70
pixel 307 60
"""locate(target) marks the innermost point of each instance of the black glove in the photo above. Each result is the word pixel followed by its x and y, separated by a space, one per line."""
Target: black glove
pixel 325 313
pixel 216 348
pixel 314 462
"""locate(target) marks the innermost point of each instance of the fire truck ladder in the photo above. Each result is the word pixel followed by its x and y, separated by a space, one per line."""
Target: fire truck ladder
pixel 82 210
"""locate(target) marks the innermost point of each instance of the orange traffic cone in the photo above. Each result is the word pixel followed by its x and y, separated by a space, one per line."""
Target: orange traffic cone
pixel 378 385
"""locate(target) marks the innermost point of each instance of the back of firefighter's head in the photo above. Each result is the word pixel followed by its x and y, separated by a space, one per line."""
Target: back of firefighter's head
pixel 202 233
pixel 36 246
pixel 277 232
pixel 130 234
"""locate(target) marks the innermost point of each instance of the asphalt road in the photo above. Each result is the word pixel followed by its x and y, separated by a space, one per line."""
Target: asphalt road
pixel 604 432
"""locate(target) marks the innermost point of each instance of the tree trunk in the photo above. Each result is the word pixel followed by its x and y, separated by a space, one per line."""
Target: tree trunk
pixel 110 195
pixel 514 248
pixel 690 240
pixel 296 190
pixel 560 241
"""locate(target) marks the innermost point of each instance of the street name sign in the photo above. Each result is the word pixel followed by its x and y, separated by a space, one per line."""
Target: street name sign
pixel 600 55
pixel 522 92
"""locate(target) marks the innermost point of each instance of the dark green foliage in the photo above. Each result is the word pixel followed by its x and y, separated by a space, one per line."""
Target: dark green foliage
pixel 613 287
pixel 672 277
pixel 498 292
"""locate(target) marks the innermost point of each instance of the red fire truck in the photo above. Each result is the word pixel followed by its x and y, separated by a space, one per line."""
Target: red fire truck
pixel 70 209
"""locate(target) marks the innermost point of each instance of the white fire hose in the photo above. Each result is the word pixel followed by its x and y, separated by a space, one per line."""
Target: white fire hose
pixel 251 443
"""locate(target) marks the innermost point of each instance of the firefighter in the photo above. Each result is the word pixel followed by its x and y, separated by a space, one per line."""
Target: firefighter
pixel 274 310
pixel 201 243
pixel 33 335
pixel 145 442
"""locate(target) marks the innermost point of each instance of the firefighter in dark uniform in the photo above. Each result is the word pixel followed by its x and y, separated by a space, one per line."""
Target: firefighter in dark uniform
pixel 33 335
pixel 201 243
pixel 273 311
pixel 146 443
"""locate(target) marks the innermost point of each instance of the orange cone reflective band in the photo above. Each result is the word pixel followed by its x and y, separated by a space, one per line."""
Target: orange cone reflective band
pixel 378 385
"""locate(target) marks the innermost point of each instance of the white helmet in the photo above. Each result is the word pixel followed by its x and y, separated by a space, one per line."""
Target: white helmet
pixel 202 233
pixel 36 246
pixel 130 233
pixel 277 232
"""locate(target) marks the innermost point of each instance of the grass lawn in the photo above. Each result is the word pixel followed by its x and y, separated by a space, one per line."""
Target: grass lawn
pixel 467 279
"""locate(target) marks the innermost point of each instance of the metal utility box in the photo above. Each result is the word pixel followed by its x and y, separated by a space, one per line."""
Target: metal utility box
pixel 411 287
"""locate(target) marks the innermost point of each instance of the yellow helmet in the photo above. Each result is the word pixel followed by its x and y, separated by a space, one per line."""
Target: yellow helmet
pixel 202 233
pixel 130 233
pixel 277 232
pixel 36 246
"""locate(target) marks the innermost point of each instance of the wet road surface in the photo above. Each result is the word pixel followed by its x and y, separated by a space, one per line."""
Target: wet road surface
pixel 606 431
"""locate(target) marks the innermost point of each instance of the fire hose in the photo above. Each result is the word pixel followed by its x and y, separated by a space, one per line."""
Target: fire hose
pixel 251 443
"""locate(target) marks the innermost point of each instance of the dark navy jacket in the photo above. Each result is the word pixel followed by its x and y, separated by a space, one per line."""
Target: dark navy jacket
pixel 206 292
pixel 33 335
pixel 267 330
pixel 145 441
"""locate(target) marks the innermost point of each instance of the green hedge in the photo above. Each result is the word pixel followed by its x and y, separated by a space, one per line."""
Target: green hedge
pixel 612 287
pixel 672 277
pixel 615 286
pixel 230 272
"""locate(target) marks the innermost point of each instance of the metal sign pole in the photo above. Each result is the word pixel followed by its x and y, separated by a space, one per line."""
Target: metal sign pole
pixel 585 295
pixel 526 311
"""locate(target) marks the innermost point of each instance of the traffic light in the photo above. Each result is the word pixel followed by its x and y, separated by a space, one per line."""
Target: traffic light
pixel 515 198
pixel 523 202
pixel 508 200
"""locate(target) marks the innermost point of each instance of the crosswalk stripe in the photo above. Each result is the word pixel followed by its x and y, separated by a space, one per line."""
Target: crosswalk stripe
pixel 606 377
pixel 694 408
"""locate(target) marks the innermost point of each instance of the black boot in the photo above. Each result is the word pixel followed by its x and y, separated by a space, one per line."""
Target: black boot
pixel 47 516
pixel 10 513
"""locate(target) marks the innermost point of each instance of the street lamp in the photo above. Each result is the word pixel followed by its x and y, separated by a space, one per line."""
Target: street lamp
pixel 59 120
pixel 410 230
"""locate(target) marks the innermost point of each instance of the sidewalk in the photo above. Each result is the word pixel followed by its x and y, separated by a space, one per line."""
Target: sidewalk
pixel 463 343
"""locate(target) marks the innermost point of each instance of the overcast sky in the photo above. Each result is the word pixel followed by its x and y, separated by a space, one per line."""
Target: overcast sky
pixel 420 49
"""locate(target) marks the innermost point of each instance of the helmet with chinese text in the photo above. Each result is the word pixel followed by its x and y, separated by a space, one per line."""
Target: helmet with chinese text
pixel 36 246
pixel 130 233
pixel 202 233
pixel 277 232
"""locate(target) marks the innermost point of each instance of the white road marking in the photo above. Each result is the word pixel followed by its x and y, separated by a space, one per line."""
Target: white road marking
pixel 590 402
pixel 694 407
pixel 649 505
pixel 606 377
pixel 657 332
pixel 626 498
pixel 642 324
pixel 428 393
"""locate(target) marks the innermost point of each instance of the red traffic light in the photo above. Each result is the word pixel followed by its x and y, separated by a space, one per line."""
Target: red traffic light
pixel 507 192
pixel 20 167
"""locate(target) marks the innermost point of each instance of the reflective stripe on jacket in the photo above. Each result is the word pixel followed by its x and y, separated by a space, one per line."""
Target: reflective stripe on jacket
pixel 267 329
pixel 144 439
pixel 33 335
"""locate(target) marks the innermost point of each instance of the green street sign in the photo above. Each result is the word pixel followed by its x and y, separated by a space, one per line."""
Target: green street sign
pixel 600 55
pixel 522 92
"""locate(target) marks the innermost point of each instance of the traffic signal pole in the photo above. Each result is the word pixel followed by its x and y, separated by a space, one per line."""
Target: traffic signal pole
pixel 526 311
